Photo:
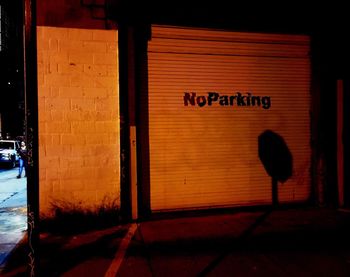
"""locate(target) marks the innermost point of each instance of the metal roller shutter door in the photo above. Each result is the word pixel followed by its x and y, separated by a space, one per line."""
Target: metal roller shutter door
pixel 207 156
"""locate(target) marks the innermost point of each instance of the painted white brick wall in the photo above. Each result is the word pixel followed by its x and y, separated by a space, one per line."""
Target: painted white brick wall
pixel 78 117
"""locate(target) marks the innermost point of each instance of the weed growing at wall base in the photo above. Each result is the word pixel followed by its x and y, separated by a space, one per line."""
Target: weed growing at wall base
pixel 71 218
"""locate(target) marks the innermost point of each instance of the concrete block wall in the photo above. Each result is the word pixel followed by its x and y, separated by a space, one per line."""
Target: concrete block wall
pixel 78 117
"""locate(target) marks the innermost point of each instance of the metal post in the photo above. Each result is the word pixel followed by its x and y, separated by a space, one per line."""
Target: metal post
pixel 340 146
pixel 31 118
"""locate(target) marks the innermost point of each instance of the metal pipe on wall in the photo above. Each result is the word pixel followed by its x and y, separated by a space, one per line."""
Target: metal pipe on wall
pixel 31 117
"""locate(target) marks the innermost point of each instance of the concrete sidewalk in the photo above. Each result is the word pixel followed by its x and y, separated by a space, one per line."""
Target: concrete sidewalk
pixel 13 226
pixel 291 242
pixel 294 242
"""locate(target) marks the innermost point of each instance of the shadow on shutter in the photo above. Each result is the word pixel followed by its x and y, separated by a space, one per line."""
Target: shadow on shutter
pixel 276 158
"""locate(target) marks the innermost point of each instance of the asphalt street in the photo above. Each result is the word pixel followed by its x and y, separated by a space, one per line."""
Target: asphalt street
pixel 13 213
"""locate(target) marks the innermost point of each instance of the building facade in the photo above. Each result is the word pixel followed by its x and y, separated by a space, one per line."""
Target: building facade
pixel 185 110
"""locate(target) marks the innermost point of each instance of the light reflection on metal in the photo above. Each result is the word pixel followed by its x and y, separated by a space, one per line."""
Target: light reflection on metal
pixel 30 147
pixel 31 254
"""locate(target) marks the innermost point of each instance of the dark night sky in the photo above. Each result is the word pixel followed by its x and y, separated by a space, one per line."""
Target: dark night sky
pixel 286 16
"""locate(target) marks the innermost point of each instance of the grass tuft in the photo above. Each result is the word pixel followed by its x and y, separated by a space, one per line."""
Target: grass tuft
pixel 70 218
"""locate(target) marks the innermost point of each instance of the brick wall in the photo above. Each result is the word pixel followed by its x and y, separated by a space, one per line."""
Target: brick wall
pixel 78 117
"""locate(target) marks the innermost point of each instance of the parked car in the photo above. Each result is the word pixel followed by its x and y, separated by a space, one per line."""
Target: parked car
pixel 8 152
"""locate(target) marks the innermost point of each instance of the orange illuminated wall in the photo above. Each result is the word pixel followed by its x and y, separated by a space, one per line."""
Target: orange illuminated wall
pixel 78 117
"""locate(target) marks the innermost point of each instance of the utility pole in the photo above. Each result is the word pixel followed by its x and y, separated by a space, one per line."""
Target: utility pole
pixel 31 133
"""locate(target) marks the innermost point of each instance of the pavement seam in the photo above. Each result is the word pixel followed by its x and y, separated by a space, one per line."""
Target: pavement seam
pixel 148 254
pixel 119 256
pixel 246 233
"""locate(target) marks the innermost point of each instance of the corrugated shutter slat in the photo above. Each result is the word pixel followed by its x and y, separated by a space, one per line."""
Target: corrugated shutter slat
pixel 208 156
